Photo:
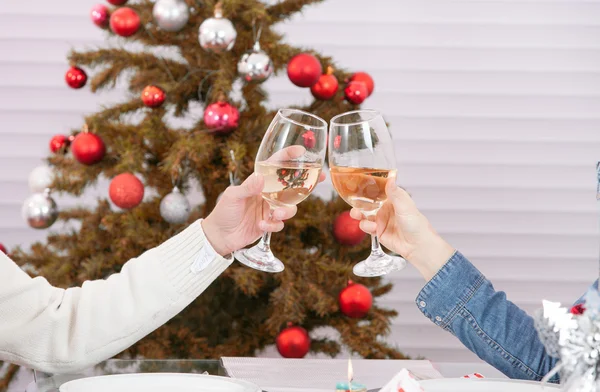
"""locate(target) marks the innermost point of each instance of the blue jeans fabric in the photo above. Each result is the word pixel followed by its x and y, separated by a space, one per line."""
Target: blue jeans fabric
pixel 462 301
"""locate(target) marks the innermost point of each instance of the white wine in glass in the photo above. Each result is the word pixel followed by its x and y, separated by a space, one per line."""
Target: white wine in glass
pixel 361 162
pixel 291 167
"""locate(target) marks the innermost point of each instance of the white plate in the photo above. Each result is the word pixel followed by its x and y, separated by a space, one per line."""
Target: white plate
pixel 158 382
pixel 485 385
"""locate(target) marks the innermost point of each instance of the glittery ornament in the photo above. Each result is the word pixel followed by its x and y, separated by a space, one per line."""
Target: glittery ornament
pixel 40 210
pixel 126 191
pixel 217 34
pixel 40 179
pixel 175 208
pixel 171 15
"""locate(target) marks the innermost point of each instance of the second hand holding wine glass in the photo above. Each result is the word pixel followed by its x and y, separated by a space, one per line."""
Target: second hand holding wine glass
pixel 290 158
pixel 361 160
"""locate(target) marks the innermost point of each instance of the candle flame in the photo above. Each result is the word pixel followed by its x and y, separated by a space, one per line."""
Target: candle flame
pixel 350 372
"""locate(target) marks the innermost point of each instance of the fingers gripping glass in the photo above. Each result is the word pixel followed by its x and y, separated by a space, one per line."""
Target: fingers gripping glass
pixel 361 160
pixel 290 159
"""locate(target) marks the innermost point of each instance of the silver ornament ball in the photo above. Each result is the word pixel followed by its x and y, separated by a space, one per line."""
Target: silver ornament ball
pixel 217 35
pixel 40 210
pixel 171 15
pixel 40 179
pixel 175 208
pixel 255 65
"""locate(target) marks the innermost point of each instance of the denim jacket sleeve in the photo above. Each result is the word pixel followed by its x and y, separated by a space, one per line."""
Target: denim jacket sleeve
pixel 462 301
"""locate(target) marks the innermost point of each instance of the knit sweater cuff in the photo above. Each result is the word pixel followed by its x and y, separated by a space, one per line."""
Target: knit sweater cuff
pixel 189 261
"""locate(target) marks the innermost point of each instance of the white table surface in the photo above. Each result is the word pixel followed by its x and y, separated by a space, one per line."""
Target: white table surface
pixel 316 375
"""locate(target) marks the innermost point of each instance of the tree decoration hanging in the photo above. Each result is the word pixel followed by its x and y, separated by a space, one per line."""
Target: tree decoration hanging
pixel 87 147
pixel 255 65
pixel 217 34
pixel 171 15
pixel 124 22
pixel 326 87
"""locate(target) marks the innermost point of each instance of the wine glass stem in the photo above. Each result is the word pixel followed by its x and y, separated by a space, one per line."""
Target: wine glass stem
pixel 265 240
pixel 375 246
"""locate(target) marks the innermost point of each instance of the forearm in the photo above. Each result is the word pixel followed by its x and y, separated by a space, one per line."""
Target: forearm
pixel 461 300
pixel 56 330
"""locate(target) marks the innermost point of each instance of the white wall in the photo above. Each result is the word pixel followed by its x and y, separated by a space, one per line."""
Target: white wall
pixel 494 107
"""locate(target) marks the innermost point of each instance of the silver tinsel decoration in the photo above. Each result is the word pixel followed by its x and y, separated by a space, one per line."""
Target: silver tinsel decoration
pixel 171 15
pixel 40 210
pixel 255 65
pixel 217 34
pixel 175 208
pixel 573 338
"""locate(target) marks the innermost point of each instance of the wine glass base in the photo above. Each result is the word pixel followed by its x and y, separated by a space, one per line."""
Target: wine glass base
pixel 259 260
pixel 378 266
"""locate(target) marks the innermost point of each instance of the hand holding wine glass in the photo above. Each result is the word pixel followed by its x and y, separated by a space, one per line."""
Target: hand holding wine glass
pixel 291 169
pixel 361 161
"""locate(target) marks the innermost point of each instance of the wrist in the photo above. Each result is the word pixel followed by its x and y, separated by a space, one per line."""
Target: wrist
pixel 431 255
pixel 215 237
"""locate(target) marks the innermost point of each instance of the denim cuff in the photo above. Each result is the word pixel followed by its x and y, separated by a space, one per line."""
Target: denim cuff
pixel 449 290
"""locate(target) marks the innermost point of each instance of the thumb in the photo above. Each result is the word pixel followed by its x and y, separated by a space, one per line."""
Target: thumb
pixel 251 187
pixel 401 200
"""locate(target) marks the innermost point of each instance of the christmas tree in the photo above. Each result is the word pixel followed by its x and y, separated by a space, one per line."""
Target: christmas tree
pixel 217 81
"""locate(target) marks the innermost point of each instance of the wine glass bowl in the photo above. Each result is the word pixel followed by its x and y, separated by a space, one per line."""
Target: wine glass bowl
pixel 361 162
pixel 290 159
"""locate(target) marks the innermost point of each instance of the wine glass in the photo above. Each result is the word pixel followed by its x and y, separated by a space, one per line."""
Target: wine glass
pixel 361 160
pixel 290 158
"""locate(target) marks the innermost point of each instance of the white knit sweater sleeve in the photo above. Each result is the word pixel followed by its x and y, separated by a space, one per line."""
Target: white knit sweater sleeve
pixel 55 330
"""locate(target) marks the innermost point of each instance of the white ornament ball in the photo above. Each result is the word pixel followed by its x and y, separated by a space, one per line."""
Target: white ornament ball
pixel 255 65
pixel 217 35
pixel 40 210
pixel 175 208
pixel 40 179
pixel 171 15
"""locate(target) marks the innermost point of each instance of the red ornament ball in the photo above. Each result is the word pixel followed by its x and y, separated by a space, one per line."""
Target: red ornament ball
pixel 59 143
pixel 309 139
pixel 76 77
pixel 304 70
pixel 346 230
pixel 3 249
pixel 293 342
pixel 153 96
pixel 355 300
pixel 124 22
pixel 88 148
pixel 126 191
pixel 117 2
pixel 221 117
pixel 325 88
pixel 364 78
pixel 356 92
pixel 99 15
pixel 578 309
